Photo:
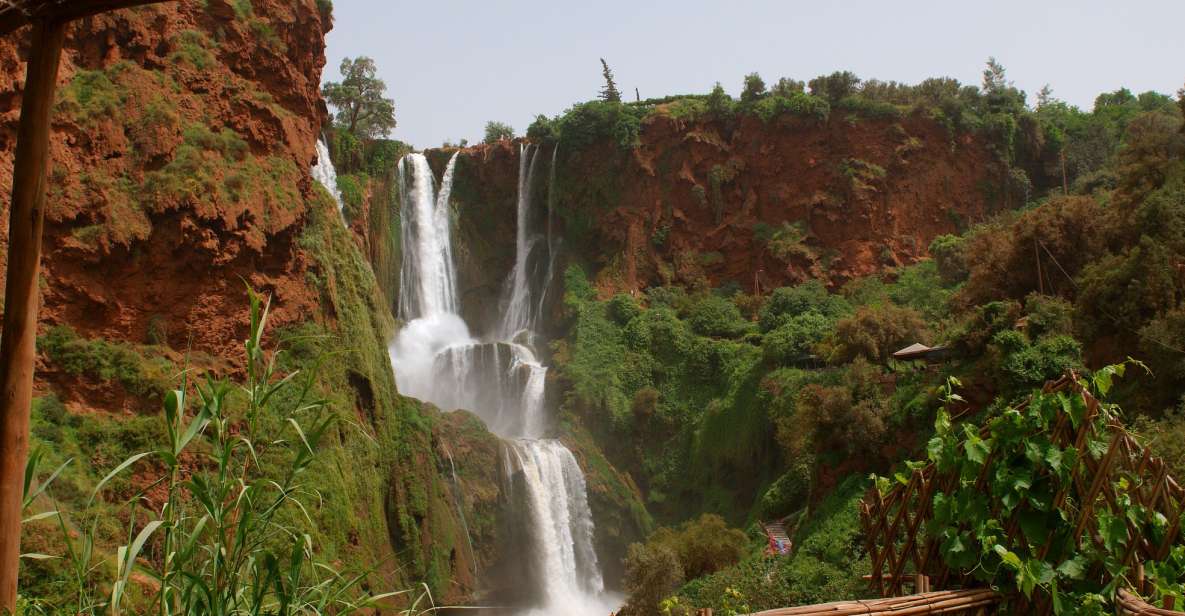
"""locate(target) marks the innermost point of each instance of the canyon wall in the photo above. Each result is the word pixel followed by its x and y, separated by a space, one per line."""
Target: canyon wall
pixel 745 203
pixel 182 140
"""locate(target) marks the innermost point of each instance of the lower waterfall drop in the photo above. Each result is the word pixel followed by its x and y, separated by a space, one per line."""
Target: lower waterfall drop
pixel 500 378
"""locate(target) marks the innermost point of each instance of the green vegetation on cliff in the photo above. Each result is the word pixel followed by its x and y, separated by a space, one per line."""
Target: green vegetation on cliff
pixel 755 407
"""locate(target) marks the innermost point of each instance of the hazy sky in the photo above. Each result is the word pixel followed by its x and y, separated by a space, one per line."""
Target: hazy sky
pixel 452 65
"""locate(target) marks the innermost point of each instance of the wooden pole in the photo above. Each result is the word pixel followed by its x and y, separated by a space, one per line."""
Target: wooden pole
pixel 21 297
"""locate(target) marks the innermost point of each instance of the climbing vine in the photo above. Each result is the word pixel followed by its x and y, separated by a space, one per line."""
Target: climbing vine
pixel 1014 512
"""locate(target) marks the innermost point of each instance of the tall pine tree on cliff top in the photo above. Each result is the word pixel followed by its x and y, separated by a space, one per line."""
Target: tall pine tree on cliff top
pixel 609 93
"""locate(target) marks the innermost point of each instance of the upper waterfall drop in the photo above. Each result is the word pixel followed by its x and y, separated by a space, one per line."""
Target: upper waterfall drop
pixel 428 279
pixel 326 175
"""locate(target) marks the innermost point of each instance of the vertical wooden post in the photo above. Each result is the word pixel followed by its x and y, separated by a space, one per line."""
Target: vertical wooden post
pixel 21 296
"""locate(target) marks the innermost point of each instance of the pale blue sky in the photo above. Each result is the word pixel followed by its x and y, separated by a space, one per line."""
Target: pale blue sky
pixel 452 65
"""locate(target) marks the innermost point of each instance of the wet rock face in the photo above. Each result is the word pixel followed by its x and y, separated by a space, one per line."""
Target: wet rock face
pixel 181 144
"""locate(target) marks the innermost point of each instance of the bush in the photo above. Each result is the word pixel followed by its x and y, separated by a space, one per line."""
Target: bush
pixel 795 104
pixel 542 130
pixel 716 316
pixel 875 332
pixel 787 302
pixel 652 572
pixel 794 340
pixel 497 131
pixel 947 251
pixel 586 123
pixel 701 546
pixel 719 103
pixel 789 492
pixel 623 308
pixel 836 86
pixel 1025 365
pixel 753 90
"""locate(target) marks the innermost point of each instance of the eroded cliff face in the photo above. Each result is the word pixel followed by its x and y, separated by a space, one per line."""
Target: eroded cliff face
pixel 181 146
pixel 181 143
pixel 744 203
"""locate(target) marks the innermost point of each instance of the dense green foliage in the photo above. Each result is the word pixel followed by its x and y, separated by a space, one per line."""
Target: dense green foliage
pixel 1025 478
pixel 497 131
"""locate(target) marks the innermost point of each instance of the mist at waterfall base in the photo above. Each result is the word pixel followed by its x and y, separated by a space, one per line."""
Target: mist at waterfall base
pixel 499 377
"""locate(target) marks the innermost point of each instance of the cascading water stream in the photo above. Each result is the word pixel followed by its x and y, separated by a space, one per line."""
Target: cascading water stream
pixel 500 378
pixel 325 174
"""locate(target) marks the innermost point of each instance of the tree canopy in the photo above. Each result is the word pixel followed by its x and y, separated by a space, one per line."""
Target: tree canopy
pixel 362 108
pixel 497 131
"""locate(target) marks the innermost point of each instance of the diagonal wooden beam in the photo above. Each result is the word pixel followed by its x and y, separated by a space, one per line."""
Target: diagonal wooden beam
pixel 15 14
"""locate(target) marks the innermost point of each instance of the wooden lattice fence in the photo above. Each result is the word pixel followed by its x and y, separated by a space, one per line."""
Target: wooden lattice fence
pixel 895 521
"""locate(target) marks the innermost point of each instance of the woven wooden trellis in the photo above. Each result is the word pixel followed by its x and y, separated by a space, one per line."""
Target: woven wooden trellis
pixel 894 522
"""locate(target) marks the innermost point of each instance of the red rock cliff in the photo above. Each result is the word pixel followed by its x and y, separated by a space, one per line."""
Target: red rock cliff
pixel 181 141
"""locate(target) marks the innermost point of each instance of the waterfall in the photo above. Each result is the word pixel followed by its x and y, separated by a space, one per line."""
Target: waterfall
pixel 326 175
pixel 499 378
pixel 428 280
pixel 519 316
pixel 556 497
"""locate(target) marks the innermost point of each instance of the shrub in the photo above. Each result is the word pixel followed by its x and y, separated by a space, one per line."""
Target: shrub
pixel 652 572
pixel 703 545
pixel 787 87
pixel 716 316
pixel 794 340
pixel 796 104
pixel 947 251
pixel 1024 365
pixel 91 95
pixel 836 86
pixel 753 90
pixel 719 103
pixel 586 123
pixel 497 131
pixel 351 187
pixel 623 308
pixel 787 302
pixel 874 332
pixel 789 492
pixel 541 130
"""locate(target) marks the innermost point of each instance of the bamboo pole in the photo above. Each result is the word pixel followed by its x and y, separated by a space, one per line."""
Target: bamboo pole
pixel 21 297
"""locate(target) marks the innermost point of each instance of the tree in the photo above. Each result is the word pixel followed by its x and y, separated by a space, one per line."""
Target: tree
pixel 993 76
pixel 609 92
pixel 1045 96
pixel 787 87
pixel 652 572
pixel 754 88
pixel 874 332
pixel 1181 104
pixel 497 131
pixel 836 86
pixel 361 108
pixel 719 102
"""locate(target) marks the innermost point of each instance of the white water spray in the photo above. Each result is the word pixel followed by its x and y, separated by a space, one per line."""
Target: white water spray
pixel 501 379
